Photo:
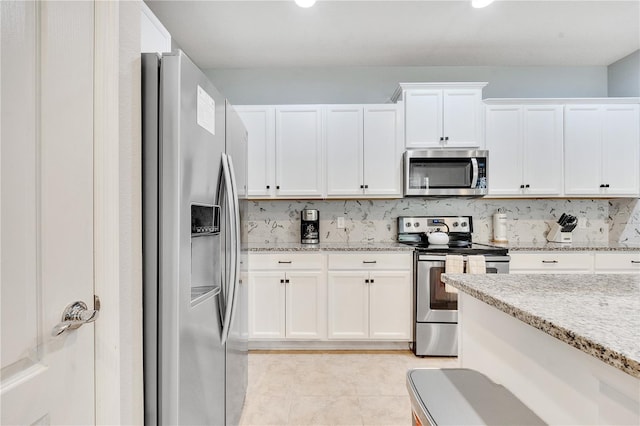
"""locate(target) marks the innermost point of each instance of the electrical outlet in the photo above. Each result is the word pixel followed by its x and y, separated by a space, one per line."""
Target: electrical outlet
pixel 582 223
pixel 340 222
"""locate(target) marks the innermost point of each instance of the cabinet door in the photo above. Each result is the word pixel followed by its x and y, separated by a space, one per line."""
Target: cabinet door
pixel 462 113
pixel 542 134
pixel 423 118
pixel 306 305
pixel 260 124
pixel 504 142
pixel 348 305
pixel 390 306
pixel 582 150
pixel 299 151
pixel 266 305
pixel 620 149
pixel 343 138
pixel 382 151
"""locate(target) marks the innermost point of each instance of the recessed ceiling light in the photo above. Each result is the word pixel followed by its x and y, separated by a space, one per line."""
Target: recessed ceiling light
pixel 305 3
pixel 480 3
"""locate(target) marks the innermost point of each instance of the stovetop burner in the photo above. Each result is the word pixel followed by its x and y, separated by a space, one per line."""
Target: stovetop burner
pixel 414 231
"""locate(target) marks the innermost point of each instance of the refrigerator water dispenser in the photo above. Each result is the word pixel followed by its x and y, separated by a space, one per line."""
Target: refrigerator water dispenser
pixel 205 250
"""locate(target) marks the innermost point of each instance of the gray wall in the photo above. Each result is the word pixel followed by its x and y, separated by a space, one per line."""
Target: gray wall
pixel 624 76
pixel 376 84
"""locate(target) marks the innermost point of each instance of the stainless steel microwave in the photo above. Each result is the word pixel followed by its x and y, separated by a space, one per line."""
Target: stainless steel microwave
pixel 445 172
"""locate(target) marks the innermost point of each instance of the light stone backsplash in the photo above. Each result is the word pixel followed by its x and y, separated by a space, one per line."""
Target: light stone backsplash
pixel 624 221
pixel 278 221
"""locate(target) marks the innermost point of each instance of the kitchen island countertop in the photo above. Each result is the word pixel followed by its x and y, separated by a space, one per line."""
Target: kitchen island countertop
pixel 597 314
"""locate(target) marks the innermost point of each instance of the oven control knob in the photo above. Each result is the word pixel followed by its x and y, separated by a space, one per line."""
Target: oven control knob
pixel 463 224
pixel 407 225
pixel 416 224
pixel 455 224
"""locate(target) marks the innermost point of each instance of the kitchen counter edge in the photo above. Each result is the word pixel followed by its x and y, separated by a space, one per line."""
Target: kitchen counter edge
pixel 568 247
pixel 394 246
pixel 289 247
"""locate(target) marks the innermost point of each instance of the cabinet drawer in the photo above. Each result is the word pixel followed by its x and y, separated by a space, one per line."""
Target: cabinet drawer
pixel 284 261
pixel 370 261
pixel 623 262
pixel 551 262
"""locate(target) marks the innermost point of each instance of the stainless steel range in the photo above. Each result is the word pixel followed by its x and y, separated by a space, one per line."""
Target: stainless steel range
pixel 436 309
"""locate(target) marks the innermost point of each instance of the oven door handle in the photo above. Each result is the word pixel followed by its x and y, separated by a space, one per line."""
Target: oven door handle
pixel 474 176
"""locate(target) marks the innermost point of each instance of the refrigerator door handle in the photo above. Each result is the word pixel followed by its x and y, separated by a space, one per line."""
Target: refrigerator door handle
pixel 236 237
pixel 228 288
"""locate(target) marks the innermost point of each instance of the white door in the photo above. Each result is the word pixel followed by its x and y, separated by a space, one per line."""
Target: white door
pixel 260 124
pixel 47 210
pixel 343 139
pixel 423 118
pixel 462 112
pixel 382 151
pixel 621 143
pixel 390 305
pixel 266 305
pixel 504 142
pixel 543 129
pixel 582 150
pixel 306 305
pixel 348 302
pixel 299 165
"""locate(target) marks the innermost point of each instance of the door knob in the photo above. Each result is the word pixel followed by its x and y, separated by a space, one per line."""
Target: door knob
pixel 75 315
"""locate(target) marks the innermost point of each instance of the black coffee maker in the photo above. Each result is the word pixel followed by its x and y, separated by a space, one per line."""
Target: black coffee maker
pixel 310 227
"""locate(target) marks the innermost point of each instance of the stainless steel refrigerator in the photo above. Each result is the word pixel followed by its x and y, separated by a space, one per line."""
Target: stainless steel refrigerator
pixel 194 204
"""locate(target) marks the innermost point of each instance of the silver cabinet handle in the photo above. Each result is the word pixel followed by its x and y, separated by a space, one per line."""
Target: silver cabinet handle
pixel 549 261
pixel 285 261
pixel 369 261
pixel 635 261
pixel 75 315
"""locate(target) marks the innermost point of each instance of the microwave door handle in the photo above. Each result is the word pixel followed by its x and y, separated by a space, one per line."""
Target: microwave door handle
pixel 474 176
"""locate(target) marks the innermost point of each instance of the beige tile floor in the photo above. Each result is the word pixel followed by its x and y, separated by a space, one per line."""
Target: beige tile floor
pixel 331 388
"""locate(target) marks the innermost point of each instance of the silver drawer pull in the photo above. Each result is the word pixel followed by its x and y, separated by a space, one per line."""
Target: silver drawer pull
pixel 284 261
pixel 549 261
pixel 635 261
pixel 369 261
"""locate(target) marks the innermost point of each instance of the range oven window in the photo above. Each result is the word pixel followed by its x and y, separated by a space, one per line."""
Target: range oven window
pixel 440 173
pixel 440 298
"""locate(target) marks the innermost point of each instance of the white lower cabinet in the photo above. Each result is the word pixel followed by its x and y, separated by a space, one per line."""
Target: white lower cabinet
pixel 367 296
pixel 367 301
pixel 287 297
pixel 553 262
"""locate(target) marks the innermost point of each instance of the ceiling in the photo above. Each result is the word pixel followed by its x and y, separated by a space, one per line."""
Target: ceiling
pixel 347 33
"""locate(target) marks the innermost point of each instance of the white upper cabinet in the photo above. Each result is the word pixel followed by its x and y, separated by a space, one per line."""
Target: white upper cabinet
pixel 602 145
pixel 299 164
pixel 364 150
pixel 260 124
pixel 383 149
pixel 525 149
pixel 442 115
pixel 344 145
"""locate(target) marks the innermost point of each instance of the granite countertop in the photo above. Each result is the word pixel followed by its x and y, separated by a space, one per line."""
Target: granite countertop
pixel 598 314
pixel 394 246
pixel 354 246
pixel 576 246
